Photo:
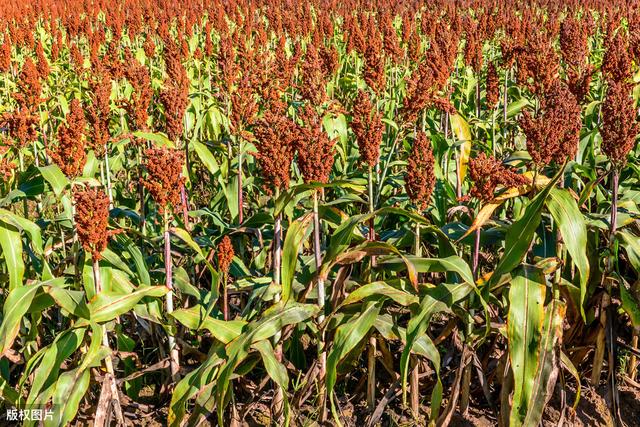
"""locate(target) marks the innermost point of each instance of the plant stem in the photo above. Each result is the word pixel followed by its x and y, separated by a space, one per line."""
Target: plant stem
pixel 371 373
pixel 108 175
pixel 321 305
pixel 240 192
pixel 371 352
pixel 174 361
pixel 225 297
pixel 110 375
pixel 414 379
pixel 633 362
pixel 278 399
pixel 598 358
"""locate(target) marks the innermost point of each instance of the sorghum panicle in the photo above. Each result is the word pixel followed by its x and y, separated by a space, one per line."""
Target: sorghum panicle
pixel 92 219
pixel 487 173
pixel 69 153
pixel 315 149
pixel 420 178
pixel 368 127
pixel 619 128
pixel 164 176
pixel 225 254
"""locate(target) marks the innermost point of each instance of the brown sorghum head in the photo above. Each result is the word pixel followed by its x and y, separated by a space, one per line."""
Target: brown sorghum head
pixel 7 168
pixel 275 137
pixel 373 71
pixel 43 65
pixel 619 128
pixel 5 55
pixel 487 173
pixel 138 106
pixel 574 42
pixel 537 62
pixel 29 86
pixel 616 64
pixel 21 126
pixel 493 86
pixel 420 178
pixel 175 96
pixel 164 176
pixel 313 84
pixel 92 219
pixel 69 153
pixel 99 113
pixel 149 46
pixel 225 254
pixel 76 58
pixel 315 149
pixel 554 134
pixel 368 127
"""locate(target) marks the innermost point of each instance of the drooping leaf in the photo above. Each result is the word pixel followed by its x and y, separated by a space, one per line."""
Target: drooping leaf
pixel 520 234
pixel 524 332
pixel 108 305
pixel 296 235
pixel 346 338
pixel 15 307
pixel 573 228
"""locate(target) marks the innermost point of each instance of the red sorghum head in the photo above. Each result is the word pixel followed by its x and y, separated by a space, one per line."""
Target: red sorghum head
pixel 92 219
pixel 368 127
pixel 420 178
pixel 225 254
pixel 315 149
pixel 487 173
pixel 619 128
pixel 69 152
pixel 164 176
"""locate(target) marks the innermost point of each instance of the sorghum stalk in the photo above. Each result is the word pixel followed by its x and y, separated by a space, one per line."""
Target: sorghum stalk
pixel 110 376
pixel 174 360
pixel 633 362
pixel 414 379
pixel 371 352
pixel 278 399
pixel 321 304
pixel 108 175
pixel 240 191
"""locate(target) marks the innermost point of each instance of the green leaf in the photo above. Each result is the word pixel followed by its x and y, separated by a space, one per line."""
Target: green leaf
pixel 631 245
pixel 108 304
pixel 296 235
pixel 274 320
pixel 520 234
pixel 347 336
pixel 70 389
pixel 382 288
pixel 548 363
pixel 206 157
pixel 186 237
pixel 631 302
pixel 15 307
pixel 453 264
pixel 275 369
pixel 56 179
pixel 46 373
pixel 70 300
pixel 524 332
pixel 573 228
pixel 195 318
pixel 461 130
pixel 23 224
pixel 439 298
pixel 159 139
pixel 11 245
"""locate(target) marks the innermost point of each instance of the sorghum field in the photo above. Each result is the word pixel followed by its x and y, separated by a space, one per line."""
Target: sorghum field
pixel 328 212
